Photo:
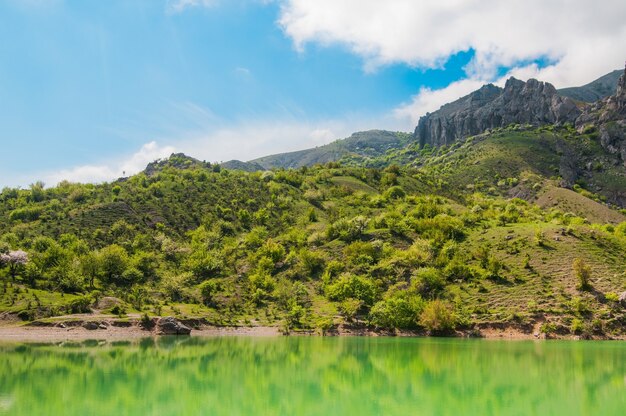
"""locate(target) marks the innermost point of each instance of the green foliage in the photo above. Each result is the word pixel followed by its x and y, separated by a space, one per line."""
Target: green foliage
pixel 582 272
pixel 352 286
pixel 208 290
pixel 347 230
pixel 80 304
pixel 428 282
pixel 204 264
pixel 350 307
pixel 398 310
pixel 300 246
pixel 438 317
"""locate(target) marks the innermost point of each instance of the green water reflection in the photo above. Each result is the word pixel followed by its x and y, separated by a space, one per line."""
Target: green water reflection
pixel 314 376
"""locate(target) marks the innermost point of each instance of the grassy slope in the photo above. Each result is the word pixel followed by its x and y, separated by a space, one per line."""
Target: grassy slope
pixel 174 201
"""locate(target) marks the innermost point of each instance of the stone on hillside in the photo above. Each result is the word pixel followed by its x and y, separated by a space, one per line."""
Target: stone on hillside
pixel 90 325
pixel 171 326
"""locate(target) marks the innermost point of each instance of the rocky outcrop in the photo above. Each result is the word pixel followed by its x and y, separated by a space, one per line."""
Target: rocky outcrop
pixel 608 116
pixel 532 102
pixel 171 326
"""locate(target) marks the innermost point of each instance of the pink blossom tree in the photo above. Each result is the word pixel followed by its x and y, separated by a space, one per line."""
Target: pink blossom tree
pixel 15 260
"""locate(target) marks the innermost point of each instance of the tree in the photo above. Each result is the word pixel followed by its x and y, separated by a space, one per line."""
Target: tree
pixel 113 263
pixel 90 267
pixel 15 260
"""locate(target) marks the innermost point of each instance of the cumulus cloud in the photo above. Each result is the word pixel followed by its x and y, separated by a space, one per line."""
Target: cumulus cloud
pixel 112 170
pixel 583 39
pixel 253 139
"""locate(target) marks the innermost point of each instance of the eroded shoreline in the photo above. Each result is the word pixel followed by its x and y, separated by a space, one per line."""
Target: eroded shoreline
pixel 75 331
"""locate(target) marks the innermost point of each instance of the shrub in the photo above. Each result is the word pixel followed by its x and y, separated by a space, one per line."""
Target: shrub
pixel 428 282
pixel 456 270
pixel 397 311
pixel 349 308
pixel 347 230
pixel 80 304
pixel 204 264
pixel 208 290
pixel 438 317
pixel 395 192
pixel 582 272
pixel 577 326
pixel 351 286
pixel 311 262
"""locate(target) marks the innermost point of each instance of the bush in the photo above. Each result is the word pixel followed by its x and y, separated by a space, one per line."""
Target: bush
pixel 349 308
pixel 347 230
pixel 456 270
pixel 577 326
pixel 351 286
pixel 311 262
pixel 428 282
pixel 80 305
pixel 208 290
pixel 397 311
pixel 204 264
pixel 395 192
pixel 438 317
pixel 582 272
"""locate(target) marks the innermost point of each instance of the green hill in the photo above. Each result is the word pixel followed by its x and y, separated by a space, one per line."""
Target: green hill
pixel 595 90
pixel 317 247
pixel 371 143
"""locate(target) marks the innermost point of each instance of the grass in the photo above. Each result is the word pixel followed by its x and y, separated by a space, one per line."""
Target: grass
pixel 354 184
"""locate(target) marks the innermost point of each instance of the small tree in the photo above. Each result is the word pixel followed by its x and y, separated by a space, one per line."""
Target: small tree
pixel 15 260
pixel 582 271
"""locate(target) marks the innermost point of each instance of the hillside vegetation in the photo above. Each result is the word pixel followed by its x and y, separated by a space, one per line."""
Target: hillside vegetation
pixel 425 239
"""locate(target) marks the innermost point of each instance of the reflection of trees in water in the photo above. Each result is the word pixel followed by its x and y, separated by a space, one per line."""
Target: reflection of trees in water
pixel 313 376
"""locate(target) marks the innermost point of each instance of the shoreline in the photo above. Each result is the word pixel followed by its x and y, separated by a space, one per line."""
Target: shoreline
pixel 116 331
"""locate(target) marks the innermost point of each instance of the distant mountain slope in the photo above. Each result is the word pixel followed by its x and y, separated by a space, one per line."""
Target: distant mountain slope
pixel 594 91
pixel 370 143
pixel 244 166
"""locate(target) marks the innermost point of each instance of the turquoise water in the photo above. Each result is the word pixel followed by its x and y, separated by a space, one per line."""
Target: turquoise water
pixel 314 376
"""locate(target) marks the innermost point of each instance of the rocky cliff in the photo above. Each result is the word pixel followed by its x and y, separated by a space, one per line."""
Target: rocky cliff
pixel 608 116
pixel 532 102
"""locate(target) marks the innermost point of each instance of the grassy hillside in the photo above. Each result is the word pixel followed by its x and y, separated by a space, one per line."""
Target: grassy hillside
pixel 432 249
pixel 365 144
pixel 595 90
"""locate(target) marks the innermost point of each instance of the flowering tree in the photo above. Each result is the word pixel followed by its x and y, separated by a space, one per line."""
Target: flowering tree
pixel 15 260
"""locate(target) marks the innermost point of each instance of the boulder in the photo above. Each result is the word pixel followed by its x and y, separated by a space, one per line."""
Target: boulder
pixel 171 326
pixel 90 325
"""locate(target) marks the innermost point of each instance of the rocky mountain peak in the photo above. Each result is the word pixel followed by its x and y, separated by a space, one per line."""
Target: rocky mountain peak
pixel 532 102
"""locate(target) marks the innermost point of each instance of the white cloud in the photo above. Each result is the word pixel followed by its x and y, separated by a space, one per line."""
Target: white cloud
pixel 177 6
pixel 253 139
pixel 584 38
pixel 428 100
pixel 130 165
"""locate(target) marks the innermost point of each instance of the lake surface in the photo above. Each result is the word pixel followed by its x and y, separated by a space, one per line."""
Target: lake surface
pixel 314 376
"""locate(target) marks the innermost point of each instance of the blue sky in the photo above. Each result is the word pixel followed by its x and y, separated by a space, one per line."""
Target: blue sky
pixel 92 88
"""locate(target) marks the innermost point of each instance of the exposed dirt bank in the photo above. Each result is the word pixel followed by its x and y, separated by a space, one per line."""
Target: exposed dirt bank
pixel 78 328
